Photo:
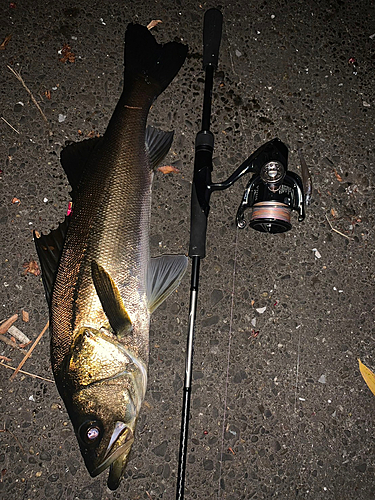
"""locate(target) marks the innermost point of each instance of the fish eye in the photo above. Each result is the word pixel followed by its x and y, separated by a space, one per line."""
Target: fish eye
pixel 90 432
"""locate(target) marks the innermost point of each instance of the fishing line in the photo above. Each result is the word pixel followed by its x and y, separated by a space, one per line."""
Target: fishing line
pixel 233 289
pixel 228 358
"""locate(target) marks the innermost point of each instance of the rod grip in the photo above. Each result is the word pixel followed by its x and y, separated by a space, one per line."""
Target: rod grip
pixel 198 226
pixel 200 193
pixel 212 27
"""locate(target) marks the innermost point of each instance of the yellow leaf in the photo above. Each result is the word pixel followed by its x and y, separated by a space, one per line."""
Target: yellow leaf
pixel 368 376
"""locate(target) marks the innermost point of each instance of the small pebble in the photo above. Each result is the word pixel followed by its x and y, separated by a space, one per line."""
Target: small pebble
pixel 322 379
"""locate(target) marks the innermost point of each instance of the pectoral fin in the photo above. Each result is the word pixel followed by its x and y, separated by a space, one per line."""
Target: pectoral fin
pixel 163 277
pixel 111 300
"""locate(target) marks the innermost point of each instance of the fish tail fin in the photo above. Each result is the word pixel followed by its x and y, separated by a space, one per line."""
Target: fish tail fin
pixel 148 63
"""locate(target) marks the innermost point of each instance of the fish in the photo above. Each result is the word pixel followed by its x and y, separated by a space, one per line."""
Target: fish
pixel 100 282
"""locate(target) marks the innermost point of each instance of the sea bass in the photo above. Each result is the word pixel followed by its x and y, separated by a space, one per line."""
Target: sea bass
pixel 100 282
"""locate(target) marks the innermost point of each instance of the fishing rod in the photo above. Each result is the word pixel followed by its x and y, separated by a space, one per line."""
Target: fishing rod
pixel 204 146
pixel 271 194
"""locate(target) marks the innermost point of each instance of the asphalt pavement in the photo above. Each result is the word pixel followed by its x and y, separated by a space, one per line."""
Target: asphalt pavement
pixel 279 407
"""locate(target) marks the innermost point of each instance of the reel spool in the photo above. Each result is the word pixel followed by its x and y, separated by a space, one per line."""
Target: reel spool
pixel 270 217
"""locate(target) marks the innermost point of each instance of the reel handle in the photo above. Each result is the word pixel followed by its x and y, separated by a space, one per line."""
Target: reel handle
pixel 212 28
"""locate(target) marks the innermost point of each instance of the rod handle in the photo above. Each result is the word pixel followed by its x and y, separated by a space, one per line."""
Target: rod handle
pixel 212 28
pixel 200 193
pixel 198 227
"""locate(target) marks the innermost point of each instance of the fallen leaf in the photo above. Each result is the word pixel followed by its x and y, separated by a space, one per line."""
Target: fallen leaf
pixel 368 376
pixel 338 176
pixel 67 54
pixel 153 23
pixel 92 134
pixel 47 93
pixel 31 267
pixel 168 169
pixel 5 42
pixel 25 316
pixel 334 212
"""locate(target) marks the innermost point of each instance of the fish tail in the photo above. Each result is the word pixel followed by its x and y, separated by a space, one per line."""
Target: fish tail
pixel 148 64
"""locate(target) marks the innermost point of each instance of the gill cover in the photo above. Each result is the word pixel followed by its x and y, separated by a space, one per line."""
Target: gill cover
pixel 103 389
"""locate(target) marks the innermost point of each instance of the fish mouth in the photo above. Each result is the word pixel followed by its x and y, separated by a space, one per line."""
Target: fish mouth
pixel 118 448
pixel 116 471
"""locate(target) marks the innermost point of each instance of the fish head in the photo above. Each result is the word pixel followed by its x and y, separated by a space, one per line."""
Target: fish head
pixel 103 389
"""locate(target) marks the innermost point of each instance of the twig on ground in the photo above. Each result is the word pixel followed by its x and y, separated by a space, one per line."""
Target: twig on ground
pixel 13 436
pixel 29 352
pixel 336 230
pixel 7 323
pixel 10 342
pixel 20 79
pixel 11 126
pixel 27 373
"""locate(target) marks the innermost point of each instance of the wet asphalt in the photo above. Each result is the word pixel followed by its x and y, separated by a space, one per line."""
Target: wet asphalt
pixel 279 408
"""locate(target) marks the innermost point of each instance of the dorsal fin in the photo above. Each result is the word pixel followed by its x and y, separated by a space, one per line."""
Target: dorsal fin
pixel 158 144
pixel 164 274
pixel 49 248
pixel 111 300
pixel 74 159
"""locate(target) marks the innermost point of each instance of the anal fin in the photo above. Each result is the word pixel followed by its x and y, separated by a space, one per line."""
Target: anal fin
pixel 163 277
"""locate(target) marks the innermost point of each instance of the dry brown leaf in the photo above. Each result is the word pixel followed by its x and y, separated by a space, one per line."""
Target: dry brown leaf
pixel 338 176
pixel 168 169
pixel 67 54
pixel 92 134
pixel 5 42
pixel 153 23
pixel 334 212
pixel 47 93
pixel 25 316
pixel 31 267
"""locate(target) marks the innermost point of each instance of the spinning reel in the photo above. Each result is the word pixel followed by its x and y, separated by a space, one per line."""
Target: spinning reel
pixel 273 191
